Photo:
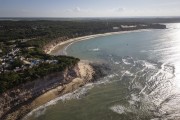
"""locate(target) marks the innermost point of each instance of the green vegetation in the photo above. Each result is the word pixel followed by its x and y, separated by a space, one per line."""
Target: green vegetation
pixel 11 79
pixel 22 58
pixel 39 33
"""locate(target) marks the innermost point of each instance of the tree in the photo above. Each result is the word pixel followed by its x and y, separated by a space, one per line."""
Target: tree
pixel 16 63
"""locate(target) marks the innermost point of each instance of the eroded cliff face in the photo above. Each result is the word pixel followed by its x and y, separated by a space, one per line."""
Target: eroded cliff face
pixel 53 43
pixel 22 96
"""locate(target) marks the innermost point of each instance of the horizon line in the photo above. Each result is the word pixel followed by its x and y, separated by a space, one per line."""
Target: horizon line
pixel 104 17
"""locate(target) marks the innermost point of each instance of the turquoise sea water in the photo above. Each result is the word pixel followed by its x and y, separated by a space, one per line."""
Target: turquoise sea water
pixel 144 83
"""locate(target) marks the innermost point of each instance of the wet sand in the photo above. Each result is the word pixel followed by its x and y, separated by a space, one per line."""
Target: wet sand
pixel 62 46
pixel 86 75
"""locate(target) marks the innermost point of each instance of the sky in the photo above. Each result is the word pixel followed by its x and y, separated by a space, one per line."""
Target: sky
pixel 89 8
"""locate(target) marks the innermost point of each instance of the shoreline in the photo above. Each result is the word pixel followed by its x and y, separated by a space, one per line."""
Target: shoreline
pixel 85 68
pixel 85 75
pixel 62 46
pixel 89 73
pixel 52 96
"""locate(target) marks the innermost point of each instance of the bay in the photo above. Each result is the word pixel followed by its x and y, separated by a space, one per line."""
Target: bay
pixel 144 83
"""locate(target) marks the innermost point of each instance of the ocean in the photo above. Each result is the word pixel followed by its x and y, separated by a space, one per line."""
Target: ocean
pixel 144 83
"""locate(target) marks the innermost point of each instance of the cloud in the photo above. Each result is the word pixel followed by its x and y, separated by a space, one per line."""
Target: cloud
pixel 120 9
pixel 77 9
pixel 116 10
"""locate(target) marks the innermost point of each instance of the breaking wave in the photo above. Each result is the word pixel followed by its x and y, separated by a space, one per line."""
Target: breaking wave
pixel 77 94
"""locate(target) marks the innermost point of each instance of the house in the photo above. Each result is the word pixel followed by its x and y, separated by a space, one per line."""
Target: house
pixel 115 28
pixel 128 26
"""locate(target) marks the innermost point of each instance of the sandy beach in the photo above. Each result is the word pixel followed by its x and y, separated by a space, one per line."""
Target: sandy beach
pixel 86 72
pixel 62 46
pixel 86 75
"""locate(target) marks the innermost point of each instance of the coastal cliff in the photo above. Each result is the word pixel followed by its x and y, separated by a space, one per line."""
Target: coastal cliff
pixel 53 43
pixel 28 95
pixel 17 102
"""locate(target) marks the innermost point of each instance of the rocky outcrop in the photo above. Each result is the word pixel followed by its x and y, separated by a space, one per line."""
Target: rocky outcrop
pixel 17 102
pixel 101 70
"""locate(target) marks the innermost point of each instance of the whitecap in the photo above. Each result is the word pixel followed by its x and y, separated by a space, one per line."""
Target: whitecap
pixel 94 50
pixel 40 112
pixel 117 63
pixel 134 99
pixel 112 75
pixel 119 109
pixel 77 94
pixel 148 64
pixel 126 62
pixel 129 73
